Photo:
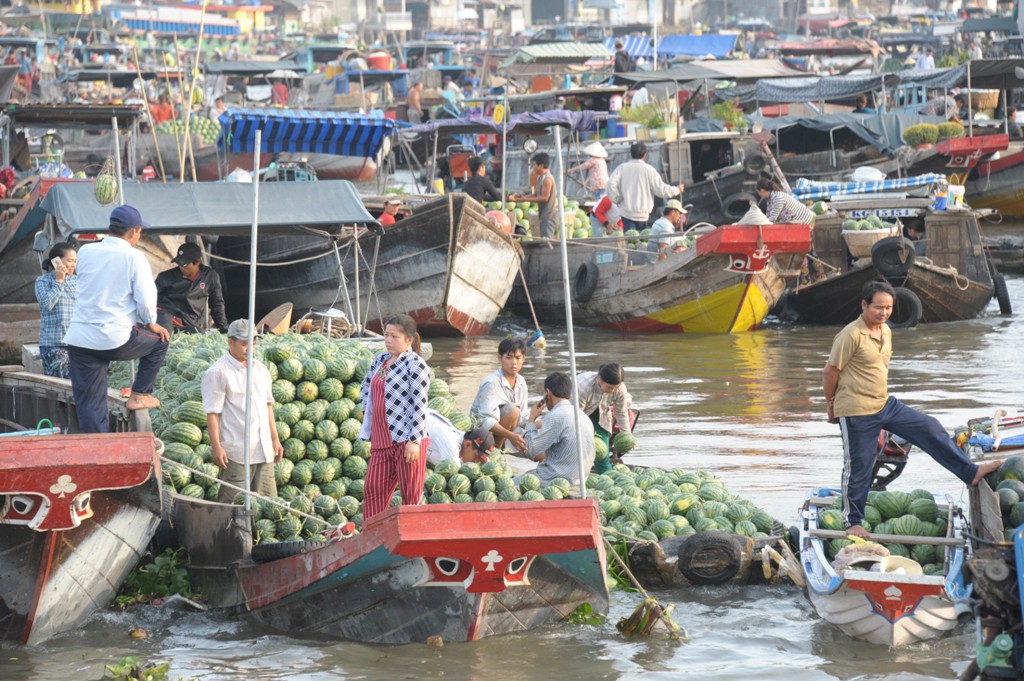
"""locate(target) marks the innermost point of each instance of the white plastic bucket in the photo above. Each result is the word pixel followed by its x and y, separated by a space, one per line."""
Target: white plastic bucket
pixel 956 195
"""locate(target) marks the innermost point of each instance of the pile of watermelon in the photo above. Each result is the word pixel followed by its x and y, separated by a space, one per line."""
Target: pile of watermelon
pixel 207 129
pixel 1008 483
pixel 871 223
pixel 654 504
pixel 913 514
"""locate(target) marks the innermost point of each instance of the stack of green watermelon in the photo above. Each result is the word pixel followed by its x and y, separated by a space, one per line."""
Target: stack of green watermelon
pixel 207 129
pixel 1008 483
pixel 912 514
pixel 654 504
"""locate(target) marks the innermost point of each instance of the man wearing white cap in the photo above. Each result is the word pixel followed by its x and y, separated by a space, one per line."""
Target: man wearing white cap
pixel 673 216
pixel 224 402
pixel 595 167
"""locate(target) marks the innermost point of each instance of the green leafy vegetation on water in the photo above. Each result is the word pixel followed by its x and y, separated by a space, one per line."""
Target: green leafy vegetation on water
pixel 164 576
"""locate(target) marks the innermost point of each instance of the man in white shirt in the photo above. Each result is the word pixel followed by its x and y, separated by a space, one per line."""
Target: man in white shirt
pixel 448 442
pixel 634 184
pixel 114 320
pixel 224 402
pixel 660 240
pixel 926 61
pixel 502 403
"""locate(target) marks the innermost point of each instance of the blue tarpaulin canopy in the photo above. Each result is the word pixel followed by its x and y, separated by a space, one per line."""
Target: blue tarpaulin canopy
pixel 635 46
pixel 321 132
pixel 807 189
pixel 718 46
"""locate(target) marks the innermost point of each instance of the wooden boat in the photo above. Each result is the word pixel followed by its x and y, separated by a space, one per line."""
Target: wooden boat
pixel 951 281
pixel 996 183
pixel 884 607
pixel 446 265
pixel 76 511
pixel 727 282
pixel 459 571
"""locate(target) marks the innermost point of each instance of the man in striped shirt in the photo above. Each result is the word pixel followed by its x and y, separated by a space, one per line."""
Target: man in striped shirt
pixel 554 436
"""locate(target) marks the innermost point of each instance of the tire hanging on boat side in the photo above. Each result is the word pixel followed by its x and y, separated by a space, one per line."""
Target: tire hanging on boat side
pixel 906 309
pixel 710 558
pixel 735 206
pixel 893 256
pixel 754 164
pixel 584 284
pixel 1002 294
pixel 266 553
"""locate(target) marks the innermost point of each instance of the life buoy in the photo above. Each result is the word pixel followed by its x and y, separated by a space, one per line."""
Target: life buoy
pixel 893 256
pixel 584 284
pixel 710 558
pixel 735 206
pixel 754 164
pixel 906 309
pixel 266 553
pixel 1002 294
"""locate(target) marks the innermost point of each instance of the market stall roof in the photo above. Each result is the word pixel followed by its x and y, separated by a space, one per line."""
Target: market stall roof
pixel 120 78
pixel 296 130
pixel 716 45
pixel 221 208
pixel 883 131
pixel 249 68
pixel 734 69
pixel 72 115
pixel 996 24
pixel 558 53
pixel 635 46
pixel 525 123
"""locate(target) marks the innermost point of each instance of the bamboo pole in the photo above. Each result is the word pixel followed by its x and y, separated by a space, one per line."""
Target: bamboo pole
pixel 149 116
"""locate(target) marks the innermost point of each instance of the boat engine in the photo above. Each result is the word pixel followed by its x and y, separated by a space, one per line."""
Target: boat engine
pixel 1000 650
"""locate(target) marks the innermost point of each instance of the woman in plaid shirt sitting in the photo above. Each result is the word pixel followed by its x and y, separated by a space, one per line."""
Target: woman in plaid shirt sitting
pixel 56 291
pixel 394 396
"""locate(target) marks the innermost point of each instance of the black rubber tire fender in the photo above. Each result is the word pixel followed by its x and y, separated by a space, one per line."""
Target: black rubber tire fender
pixel 893 256
pixel 754 164
pixel 906 309
pixel 735 206
pixel 266 553
pixel 1002 294
pixel 584 284
pixel 700 549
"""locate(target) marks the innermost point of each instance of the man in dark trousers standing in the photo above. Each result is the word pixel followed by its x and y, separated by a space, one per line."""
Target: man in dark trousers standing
pixel 189 294
pixel 114 320
pixel 856 386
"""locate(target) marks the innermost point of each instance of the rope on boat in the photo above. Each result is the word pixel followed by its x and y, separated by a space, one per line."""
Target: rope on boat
pixel 259 496
pixel 649 612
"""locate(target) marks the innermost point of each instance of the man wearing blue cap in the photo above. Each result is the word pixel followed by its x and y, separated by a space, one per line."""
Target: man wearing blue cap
pixel 114 320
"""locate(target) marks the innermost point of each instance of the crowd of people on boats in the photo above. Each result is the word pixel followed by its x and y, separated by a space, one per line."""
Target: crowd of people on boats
pixel 102 304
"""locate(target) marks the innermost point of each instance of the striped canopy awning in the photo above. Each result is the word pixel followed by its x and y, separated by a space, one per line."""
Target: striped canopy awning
pixel 288 130
pixel 808 189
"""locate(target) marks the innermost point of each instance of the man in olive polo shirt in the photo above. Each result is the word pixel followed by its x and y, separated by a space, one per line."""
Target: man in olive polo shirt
pixel 856 383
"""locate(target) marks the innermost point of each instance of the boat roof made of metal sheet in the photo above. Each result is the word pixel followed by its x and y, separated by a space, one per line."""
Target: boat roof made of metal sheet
pixel 558 52
pixel 72 115
pixel 221 208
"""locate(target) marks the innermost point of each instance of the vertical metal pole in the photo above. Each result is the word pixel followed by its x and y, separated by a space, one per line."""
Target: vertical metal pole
pixel 567 294
pixel 357 256
pixel 504 144
pixel 117 162
pixel 970 114
pixel 253 233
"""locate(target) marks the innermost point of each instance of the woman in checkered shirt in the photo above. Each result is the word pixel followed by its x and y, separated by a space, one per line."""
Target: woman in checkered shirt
pixel 394 397
pixel 56 291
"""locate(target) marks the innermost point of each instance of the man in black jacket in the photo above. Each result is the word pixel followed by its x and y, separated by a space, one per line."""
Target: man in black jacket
pixel 479 186
pixel 189 294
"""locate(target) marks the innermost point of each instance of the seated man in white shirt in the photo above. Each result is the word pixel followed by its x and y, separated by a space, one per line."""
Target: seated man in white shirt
pixel 448 442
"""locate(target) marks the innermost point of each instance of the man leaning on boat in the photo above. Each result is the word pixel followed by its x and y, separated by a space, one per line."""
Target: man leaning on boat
pixel 856 386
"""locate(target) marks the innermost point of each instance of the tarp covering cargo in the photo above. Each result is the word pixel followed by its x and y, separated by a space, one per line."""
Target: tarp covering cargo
pixel 297 131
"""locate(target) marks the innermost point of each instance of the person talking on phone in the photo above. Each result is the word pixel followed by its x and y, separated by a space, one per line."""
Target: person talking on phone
pixel 554 434
pixel 114 320
pixel 56 291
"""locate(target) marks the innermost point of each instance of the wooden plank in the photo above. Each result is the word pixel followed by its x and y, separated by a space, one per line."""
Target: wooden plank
pixel 891 538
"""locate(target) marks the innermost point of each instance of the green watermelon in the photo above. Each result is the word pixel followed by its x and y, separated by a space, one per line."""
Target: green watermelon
pixel 307 391
pixel 461 421
pixel 362 368
pixel 349 429
pixel 532 495
pixel 353 391
pixel 283 391
pixel 341 369
pixel 315 411
pixel 552 493
pixel 289 528
pixel 435 482
pixel 739 511
pixel 438 388
pixel 326 431
pixel 442 405
pixel 193 490
pixel 341 448
pixel 263 529
pixel 486 496
pixel 1016 516
pixel 746 528
pixel 562 484
pixel 471 470
pixel 283 472
pixel 349 505
pixel 459 484
pixel 290 370
pixel 439 498
pixel 923 553
pixel 178 476
pixel 834 546
pixel 177 451
pixel 316 451
pixel 1007 499
pixel 331 389
pixel 354 467
pixel 656 510
pixel 600 449
pixel 361 449
pixel 509 494
pixel 190 411
pixel 339 410
pixel 529 482
pixel 831 520
pixel 314 371
pixel 301 475
pixel 288 413
pixel 294 449
pixel 898 550
pixel 302 504
pixel 872 515
pixel 211 471
pixel 623 442
pixel 303 430
pixel 925 509
pixel 483 484
pixel 185 433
